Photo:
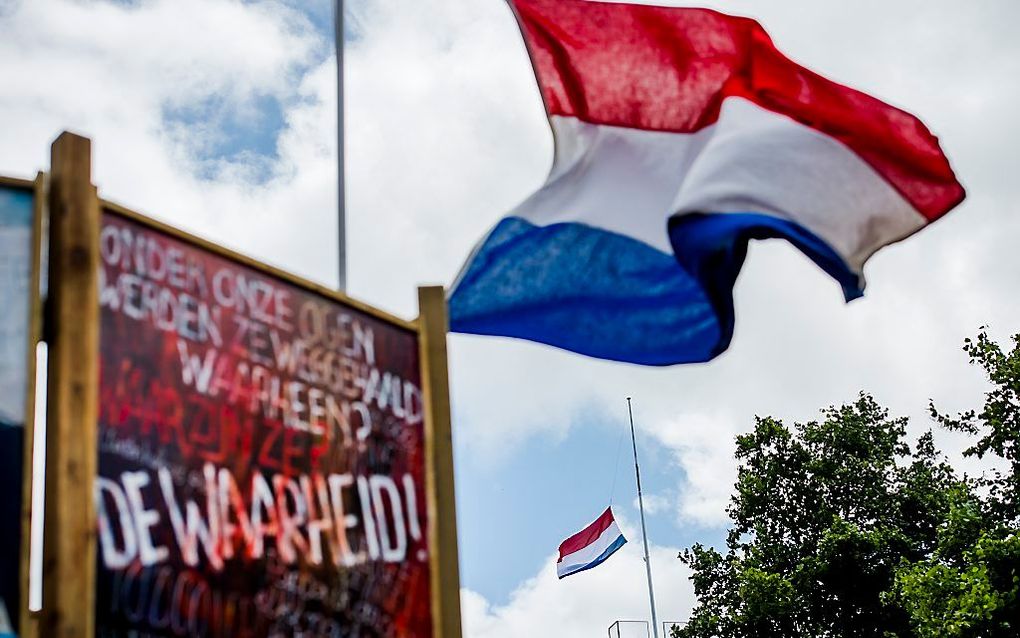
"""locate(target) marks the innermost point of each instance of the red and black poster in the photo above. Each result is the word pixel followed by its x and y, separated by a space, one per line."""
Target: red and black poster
pixel 262 459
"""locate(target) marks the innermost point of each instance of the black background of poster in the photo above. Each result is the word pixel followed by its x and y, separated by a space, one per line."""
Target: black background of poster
pixel 12 442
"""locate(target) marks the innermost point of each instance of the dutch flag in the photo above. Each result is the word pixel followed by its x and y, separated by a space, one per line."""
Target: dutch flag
pixel 680 135
pixel 591 546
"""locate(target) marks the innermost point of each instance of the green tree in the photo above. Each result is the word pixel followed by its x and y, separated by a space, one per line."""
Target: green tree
pixel 970 584
pixel 842 528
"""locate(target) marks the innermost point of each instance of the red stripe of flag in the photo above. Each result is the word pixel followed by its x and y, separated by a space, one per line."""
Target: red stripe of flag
pixel 669 69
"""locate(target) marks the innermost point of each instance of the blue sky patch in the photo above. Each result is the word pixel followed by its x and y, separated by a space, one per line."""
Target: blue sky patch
pixel 222 132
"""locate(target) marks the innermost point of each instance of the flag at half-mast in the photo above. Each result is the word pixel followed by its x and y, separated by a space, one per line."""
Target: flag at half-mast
pixel 680 135
pixel 591 546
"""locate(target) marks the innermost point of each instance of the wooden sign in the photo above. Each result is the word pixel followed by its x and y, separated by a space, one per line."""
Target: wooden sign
pixel 273 458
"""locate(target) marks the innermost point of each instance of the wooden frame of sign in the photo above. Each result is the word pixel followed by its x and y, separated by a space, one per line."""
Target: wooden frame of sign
pixel 35 327
pixel 73 317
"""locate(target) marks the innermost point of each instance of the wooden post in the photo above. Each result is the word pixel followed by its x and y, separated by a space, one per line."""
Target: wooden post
pixel 72 331
pixel 26 621
pixel 442 506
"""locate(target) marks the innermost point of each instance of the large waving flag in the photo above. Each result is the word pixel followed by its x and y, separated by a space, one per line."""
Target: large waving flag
pixel 591 546
pixel 680 135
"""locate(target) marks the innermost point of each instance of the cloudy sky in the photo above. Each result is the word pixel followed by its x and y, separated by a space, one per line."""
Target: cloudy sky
pixel 219 116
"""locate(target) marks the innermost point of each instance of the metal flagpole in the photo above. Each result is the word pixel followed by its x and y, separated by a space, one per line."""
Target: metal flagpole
pixel 644 534
pixel 338 23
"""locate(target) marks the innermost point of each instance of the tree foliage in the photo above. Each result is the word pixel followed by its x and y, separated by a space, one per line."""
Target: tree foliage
pixel 843 527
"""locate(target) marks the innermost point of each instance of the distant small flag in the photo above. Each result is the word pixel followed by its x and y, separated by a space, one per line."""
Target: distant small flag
pixel 591 546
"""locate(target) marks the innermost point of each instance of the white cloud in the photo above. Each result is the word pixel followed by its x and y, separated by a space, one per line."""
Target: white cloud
pixel 654 503
pixel 111 70
pixel 703 449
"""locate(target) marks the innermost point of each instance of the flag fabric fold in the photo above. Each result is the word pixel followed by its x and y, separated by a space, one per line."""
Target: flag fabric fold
pixel 680 135
pixel 591 546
